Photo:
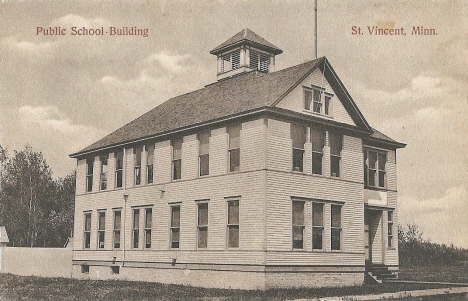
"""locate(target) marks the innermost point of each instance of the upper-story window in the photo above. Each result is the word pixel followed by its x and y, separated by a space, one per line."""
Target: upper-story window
pixel 204 153
pixel 176 158
pixel 118 169
pixel 317 101
pixel 375 169
pixel 137 157
pixel 103 179
pixel 317 138
pixel 298 136
pixel 149 163
pixel 259 61
pixel 230 61
pixel 336 146
pixel 234 147
pixel 89 174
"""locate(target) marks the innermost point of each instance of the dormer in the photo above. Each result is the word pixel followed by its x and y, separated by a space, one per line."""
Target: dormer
pixel 244 52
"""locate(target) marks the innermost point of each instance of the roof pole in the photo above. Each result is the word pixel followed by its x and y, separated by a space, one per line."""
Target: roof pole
pixel 315 9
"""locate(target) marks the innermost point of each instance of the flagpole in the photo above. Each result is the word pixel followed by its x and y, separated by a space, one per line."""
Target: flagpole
pixel 315 8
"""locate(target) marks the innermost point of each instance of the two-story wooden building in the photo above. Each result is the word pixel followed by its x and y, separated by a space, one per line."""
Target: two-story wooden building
pixel 262 179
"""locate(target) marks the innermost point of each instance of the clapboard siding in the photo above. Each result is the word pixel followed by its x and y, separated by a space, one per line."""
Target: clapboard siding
pixel 391 170
pixel 315 258
pixel 248 187
pixel 190 157
pixel 252 145
pixel 129 167
pixel 111 171
pixel 80 176
pixel 352 159
pixel 295 99
pixel 282 187
pixel 377 237
pixel 163 161
pixel 279 145
pixel 218 152
pixel 96 173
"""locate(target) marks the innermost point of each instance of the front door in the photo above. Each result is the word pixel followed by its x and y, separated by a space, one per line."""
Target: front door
pixel 367 241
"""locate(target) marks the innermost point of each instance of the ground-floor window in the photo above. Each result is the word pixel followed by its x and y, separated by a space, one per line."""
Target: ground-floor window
pixel 317 226
pixel 336 227
pixel 390 229
pixel 101 229
pixel 117 226
pixel 87 230
pixel 233 223
pixel 175 226
pixel 136 229
pixel 298 225
pixel 202 225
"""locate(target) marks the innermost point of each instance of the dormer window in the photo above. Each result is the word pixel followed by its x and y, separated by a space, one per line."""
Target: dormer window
pixel 259 61
pixel 230 61
pixel 317 101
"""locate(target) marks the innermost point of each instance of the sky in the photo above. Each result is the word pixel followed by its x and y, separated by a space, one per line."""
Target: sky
pixel 60 93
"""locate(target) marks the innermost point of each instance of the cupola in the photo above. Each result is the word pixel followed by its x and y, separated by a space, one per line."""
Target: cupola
pixel 245 51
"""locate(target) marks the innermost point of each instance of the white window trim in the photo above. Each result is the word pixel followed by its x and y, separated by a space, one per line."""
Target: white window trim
pixel 197 203
pixel 323 93
pixel 232 199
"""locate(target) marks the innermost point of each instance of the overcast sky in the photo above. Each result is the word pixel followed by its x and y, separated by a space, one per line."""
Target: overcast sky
pixel 61 93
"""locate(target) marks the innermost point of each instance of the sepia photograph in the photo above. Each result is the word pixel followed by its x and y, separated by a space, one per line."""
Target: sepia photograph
pixel 234 150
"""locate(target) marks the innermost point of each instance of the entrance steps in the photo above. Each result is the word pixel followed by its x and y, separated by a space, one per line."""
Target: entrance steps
pixel 379 273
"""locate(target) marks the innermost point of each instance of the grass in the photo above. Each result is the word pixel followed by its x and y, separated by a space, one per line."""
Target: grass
pixel 455 273
pixel 35 288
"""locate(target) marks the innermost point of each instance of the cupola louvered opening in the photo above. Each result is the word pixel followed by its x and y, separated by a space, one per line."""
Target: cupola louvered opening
pixel 230 61
pixel 259 61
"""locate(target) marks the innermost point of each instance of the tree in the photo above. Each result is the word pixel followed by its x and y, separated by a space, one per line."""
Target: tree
pixel 36 209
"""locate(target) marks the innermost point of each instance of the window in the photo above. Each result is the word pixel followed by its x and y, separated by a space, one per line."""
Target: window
pixel 87 230
pixel 230 61
pixel 85 269
pixel 233 223
pixel 336 145
pixel 176 158
pixel 137 157
pixel 148 225
pixel 103 180
pixel 89 174
pixel 307 99
pixel 317 137
pixel 118 169
pixel 259 61
pixel 317 99
pixel 149 163
pixel 202 225
pixel 101 229
pixel 335 227
pixel 234 147
pixel 317 105
pixel 115 270
pixel 298 136
pixel 298 225
pixel 390 229
pixel 317 226
pixel 136 229
pixel 117 227
pixel 375 169
pixel 204 153
pixel 175 226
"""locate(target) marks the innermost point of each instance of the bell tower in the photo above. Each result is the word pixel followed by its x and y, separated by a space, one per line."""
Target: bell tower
pixel 244 52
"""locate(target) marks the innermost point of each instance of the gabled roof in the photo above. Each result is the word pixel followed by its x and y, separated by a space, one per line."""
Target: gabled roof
pixel 242 94
pixel 249 37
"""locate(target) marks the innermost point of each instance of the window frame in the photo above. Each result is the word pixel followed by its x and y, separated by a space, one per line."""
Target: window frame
pixel 101 230
pixel 135 228
pixel 230 225
pixel 104 168
pixel 390 230
pixel 259 57
pixel 303 225
pixel 322 227
pixel 340 156
pixel 315 153
pixel 339 228
pixel 137 154
pixel 229 57
pixel 296 150
pixel 324 102
pixel 118 169
pixel 173 228
pixel 148 228
pixel 89 174
pixel 86 231
pixel 203 226
pixel 202 154
pixel 230 130
pixel 174 161
pixel 377 170
pixel 150 163
pixel 116 230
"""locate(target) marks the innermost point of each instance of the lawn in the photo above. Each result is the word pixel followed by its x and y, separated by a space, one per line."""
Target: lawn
pixel 455 273
pixel 34 288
